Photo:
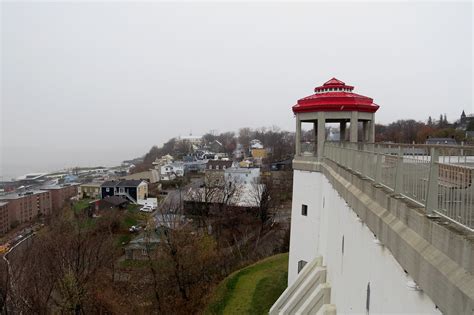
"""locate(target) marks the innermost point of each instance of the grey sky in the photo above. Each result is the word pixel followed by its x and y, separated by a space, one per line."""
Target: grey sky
pixel 90 83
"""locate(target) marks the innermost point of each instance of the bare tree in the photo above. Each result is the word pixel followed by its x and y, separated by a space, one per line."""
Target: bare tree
pixel 59 271
pixel 261 196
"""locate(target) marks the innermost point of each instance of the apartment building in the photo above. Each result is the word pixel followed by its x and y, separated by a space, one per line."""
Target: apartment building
pixel 24 207
pixel 4 221
pixel 60 194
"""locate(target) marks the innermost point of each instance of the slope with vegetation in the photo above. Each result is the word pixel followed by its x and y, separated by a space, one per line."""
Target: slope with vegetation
pixel 251 290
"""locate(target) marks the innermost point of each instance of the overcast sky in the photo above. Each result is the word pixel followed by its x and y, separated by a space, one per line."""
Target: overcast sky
pixel 95 83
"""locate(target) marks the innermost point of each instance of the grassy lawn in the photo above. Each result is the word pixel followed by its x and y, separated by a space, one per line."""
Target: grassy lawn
pixel 251 290
pixel 124 239
pixel 133 216
pixel 80 205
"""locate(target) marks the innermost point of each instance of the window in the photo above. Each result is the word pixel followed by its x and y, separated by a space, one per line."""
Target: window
pixel 301 264
pixel 343 244
pixel 304 210
pixel 367 299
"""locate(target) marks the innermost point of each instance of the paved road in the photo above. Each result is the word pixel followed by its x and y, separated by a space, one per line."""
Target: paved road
pixel 10 271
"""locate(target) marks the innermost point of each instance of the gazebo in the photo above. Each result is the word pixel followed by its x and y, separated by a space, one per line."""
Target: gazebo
pixel 334 102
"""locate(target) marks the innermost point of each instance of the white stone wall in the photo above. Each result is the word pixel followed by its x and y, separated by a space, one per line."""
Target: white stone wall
pixel 364 261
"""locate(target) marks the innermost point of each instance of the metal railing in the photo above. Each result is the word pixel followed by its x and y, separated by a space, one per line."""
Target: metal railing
pixel 439 178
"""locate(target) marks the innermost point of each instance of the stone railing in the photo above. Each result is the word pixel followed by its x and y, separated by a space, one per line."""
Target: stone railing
pixel 440 178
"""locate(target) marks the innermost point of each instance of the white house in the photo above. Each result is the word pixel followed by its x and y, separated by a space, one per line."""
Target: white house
pixel 171 170
pixel 256 144
pixel 241 175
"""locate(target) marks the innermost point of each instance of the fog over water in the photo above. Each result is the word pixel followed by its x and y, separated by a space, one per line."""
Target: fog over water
pixel 90 83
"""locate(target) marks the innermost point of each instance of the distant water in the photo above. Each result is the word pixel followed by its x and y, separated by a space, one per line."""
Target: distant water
pixel 12 171
pixel 9 171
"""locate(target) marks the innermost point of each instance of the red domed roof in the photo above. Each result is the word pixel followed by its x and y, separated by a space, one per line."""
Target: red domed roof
pixel 335 96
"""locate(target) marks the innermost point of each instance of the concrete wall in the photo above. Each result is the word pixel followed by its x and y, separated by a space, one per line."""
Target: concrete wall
pixel 363 261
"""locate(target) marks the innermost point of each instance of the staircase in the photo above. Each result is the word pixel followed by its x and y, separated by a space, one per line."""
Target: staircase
pixel 309 294
pixel 126 195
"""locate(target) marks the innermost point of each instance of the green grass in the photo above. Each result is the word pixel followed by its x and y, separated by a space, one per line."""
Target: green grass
pixel 251 290
pixel 132 207
pixel 80 205
pixel 124 239
pixel 133 216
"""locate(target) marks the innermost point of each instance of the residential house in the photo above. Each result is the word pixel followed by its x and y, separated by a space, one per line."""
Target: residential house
pixel 241 196
pixel 214 173
pixel 196 141
pixel 465 120
pixel 215 146
pixel 24 207
pixel 133 190
pixel 218 165
pixel 196 166
pixel 143 246
pixel 242 175
pixel 444 141
pixel 151 176
pixel 165 159
pixel 60 194
pixel 146 243
pixel 171 171
pixel 246 163
pixel 90 190
pixel 256 144
pixel 259 153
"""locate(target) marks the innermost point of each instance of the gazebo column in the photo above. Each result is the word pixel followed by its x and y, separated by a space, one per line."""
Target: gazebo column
pixel 321 133
pixel 298 136
pixel 372 130
pixel 365 129
pixel 315 138
pixel 342 131
pixel 354 124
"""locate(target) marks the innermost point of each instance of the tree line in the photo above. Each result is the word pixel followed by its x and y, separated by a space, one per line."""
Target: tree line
pixel 281 143
pixel 412 131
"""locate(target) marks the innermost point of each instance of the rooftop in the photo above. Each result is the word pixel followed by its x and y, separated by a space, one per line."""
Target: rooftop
pixel 115 200
pixel 122 183
pixel 91 184
pixel 14 196
pixel 335 95
pixel 62 186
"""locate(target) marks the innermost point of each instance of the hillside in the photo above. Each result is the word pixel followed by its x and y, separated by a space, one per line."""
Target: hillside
pixel 253 289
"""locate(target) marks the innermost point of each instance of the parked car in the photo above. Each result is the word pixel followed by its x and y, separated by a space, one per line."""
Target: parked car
pixel 147 208
pixel 134 229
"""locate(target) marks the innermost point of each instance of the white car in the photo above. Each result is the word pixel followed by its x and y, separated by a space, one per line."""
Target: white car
pixel 146 208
